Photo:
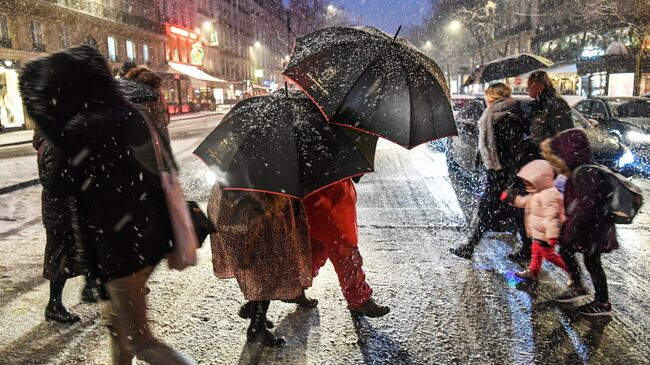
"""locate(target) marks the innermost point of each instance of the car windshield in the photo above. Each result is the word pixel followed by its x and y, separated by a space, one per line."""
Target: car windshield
pixel 578 120
pixel 630 108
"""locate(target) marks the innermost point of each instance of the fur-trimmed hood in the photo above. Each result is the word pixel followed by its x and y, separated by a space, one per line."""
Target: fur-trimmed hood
pixel 54 99
pixel 539 173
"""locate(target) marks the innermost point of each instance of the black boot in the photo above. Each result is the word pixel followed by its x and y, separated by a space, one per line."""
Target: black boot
pixel 257 331
pixel 55 310
pixel 303 301
pixel 464 251
pixel 87 294
pixel 60 315
pixel 245 313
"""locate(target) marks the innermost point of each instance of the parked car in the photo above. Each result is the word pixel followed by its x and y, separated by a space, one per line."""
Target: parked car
pixel 625 118
pixel 458 101
pixel 466 169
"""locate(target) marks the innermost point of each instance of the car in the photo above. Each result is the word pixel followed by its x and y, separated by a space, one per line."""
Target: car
pixel 458 101
pixel 466 170
pixel 624 118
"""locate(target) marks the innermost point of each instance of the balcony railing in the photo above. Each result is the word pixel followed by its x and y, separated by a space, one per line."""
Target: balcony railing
pixel 100 10
pixel 6 43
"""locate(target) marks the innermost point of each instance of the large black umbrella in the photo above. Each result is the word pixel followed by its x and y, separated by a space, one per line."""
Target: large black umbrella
pixel 281 144
pixel 507 67
pixel 374 82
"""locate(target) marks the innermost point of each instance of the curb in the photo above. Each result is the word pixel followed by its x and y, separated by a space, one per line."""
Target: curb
pixel 21 185
pixel 15 143
pixel 194 117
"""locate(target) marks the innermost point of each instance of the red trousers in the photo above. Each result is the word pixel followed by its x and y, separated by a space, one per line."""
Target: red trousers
pixel 347 262
pixel 544 251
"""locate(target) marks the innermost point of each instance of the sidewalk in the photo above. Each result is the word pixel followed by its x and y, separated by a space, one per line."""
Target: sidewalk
pixel 23 137
pixel 186 116
pixel 16 138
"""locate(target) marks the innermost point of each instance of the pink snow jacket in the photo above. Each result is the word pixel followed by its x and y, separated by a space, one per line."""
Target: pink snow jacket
pixel 544 206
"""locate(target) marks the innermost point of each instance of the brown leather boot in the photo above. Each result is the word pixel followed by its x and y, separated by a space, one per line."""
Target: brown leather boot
pixel 370 309
pixel 303 301
pixel 528 275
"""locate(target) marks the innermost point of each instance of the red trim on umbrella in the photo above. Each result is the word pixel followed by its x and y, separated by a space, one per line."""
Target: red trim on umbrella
pixel 263 191
pixel 293 196
pixel 308 95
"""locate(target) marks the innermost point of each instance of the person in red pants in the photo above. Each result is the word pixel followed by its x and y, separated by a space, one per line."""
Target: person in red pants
pixel 332 218
pixel 544 214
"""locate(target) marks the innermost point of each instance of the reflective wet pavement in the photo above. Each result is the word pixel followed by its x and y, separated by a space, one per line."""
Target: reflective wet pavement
pixel 444 310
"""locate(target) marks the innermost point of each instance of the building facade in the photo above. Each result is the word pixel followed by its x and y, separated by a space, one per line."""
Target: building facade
pixel 122 30
pixel 251 38
pixel 595 52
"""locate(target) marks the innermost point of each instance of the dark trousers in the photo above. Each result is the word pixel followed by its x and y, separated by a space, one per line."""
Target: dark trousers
pixel 479 228
pixel 594 267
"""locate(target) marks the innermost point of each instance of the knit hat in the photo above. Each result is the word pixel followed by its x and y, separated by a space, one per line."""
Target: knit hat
pixel 572 146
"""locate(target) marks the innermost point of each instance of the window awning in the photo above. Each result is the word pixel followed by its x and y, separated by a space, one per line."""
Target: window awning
pixel 195 73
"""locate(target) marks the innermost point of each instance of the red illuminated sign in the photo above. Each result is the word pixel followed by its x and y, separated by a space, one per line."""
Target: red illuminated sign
pixel 174 30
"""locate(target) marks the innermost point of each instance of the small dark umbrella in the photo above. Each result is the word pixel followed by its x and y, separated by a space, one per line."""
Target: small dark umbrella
pixel 375 82
pixel 507 67
pixel 280 143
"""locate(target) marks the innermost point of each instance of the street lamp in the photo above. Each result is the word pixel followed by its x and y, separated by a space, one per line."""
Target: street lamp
pixel 331 9
pixel 428 45
pixel 257 44
pixel 454 26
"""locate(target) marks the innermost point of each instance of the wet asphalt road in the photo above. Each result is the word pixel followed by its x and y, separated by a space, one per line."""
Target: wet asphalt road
pixel 444 310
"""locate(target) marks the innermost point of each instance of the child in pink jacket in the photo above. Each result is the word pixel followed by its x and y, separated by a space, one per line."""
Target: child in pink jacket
pixel 544 212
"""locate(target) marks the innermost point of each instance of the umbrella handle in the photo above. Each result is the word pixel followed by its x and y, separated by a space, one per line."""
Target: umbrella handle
pixel 396 33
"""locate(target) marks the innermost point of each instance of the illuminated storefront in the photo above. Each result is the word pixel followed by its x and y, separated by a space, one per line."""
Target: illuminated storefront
pixel 187 87
pixel 12 115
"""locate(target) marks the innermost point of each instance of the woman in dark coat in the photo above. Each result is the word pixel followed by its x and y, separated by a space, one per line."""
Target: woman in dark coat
pixel 502 129
pixel 118 202
pixel 588 229
pixel 549 113
pixel 262 240
pixel 60 257
pixel 142 86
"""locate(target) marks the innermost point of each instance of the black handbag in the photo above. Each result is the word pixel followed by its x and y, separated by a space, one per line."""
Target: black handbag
pixel 202 224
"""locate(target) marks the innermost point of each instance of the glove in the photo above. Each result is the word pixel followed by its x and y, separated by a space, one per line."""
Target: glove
pixel 560 183
pixel 507 196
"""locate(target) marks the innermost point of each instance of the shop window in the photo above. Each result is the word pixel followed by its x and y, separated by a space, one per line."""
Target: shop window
pixel 112 48
pixel 130 50
pixel 36 30
pixel 145 53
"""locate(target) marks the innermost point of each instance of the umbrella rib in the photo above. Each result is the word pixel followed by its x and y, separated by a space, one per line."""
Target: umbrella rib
pixel 371 63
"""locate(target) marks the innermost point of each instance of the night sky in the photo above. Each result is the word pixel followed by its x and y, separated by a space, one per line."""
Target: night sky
pixel 386 15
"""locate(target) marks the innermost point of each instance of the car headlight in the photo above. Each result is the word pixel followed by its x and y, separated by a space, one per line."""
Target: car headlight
pixel 638 137
pixel 626 159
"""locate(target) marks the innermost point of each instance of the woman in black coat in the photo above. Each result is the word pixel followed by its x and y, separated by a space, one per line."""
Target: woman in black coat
pixel 502 129
pixel 118 202
pixel 61 261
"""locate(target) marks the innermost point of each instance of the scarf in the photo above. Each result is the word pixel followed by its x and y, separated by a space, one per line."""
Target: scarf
pixel 487 143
